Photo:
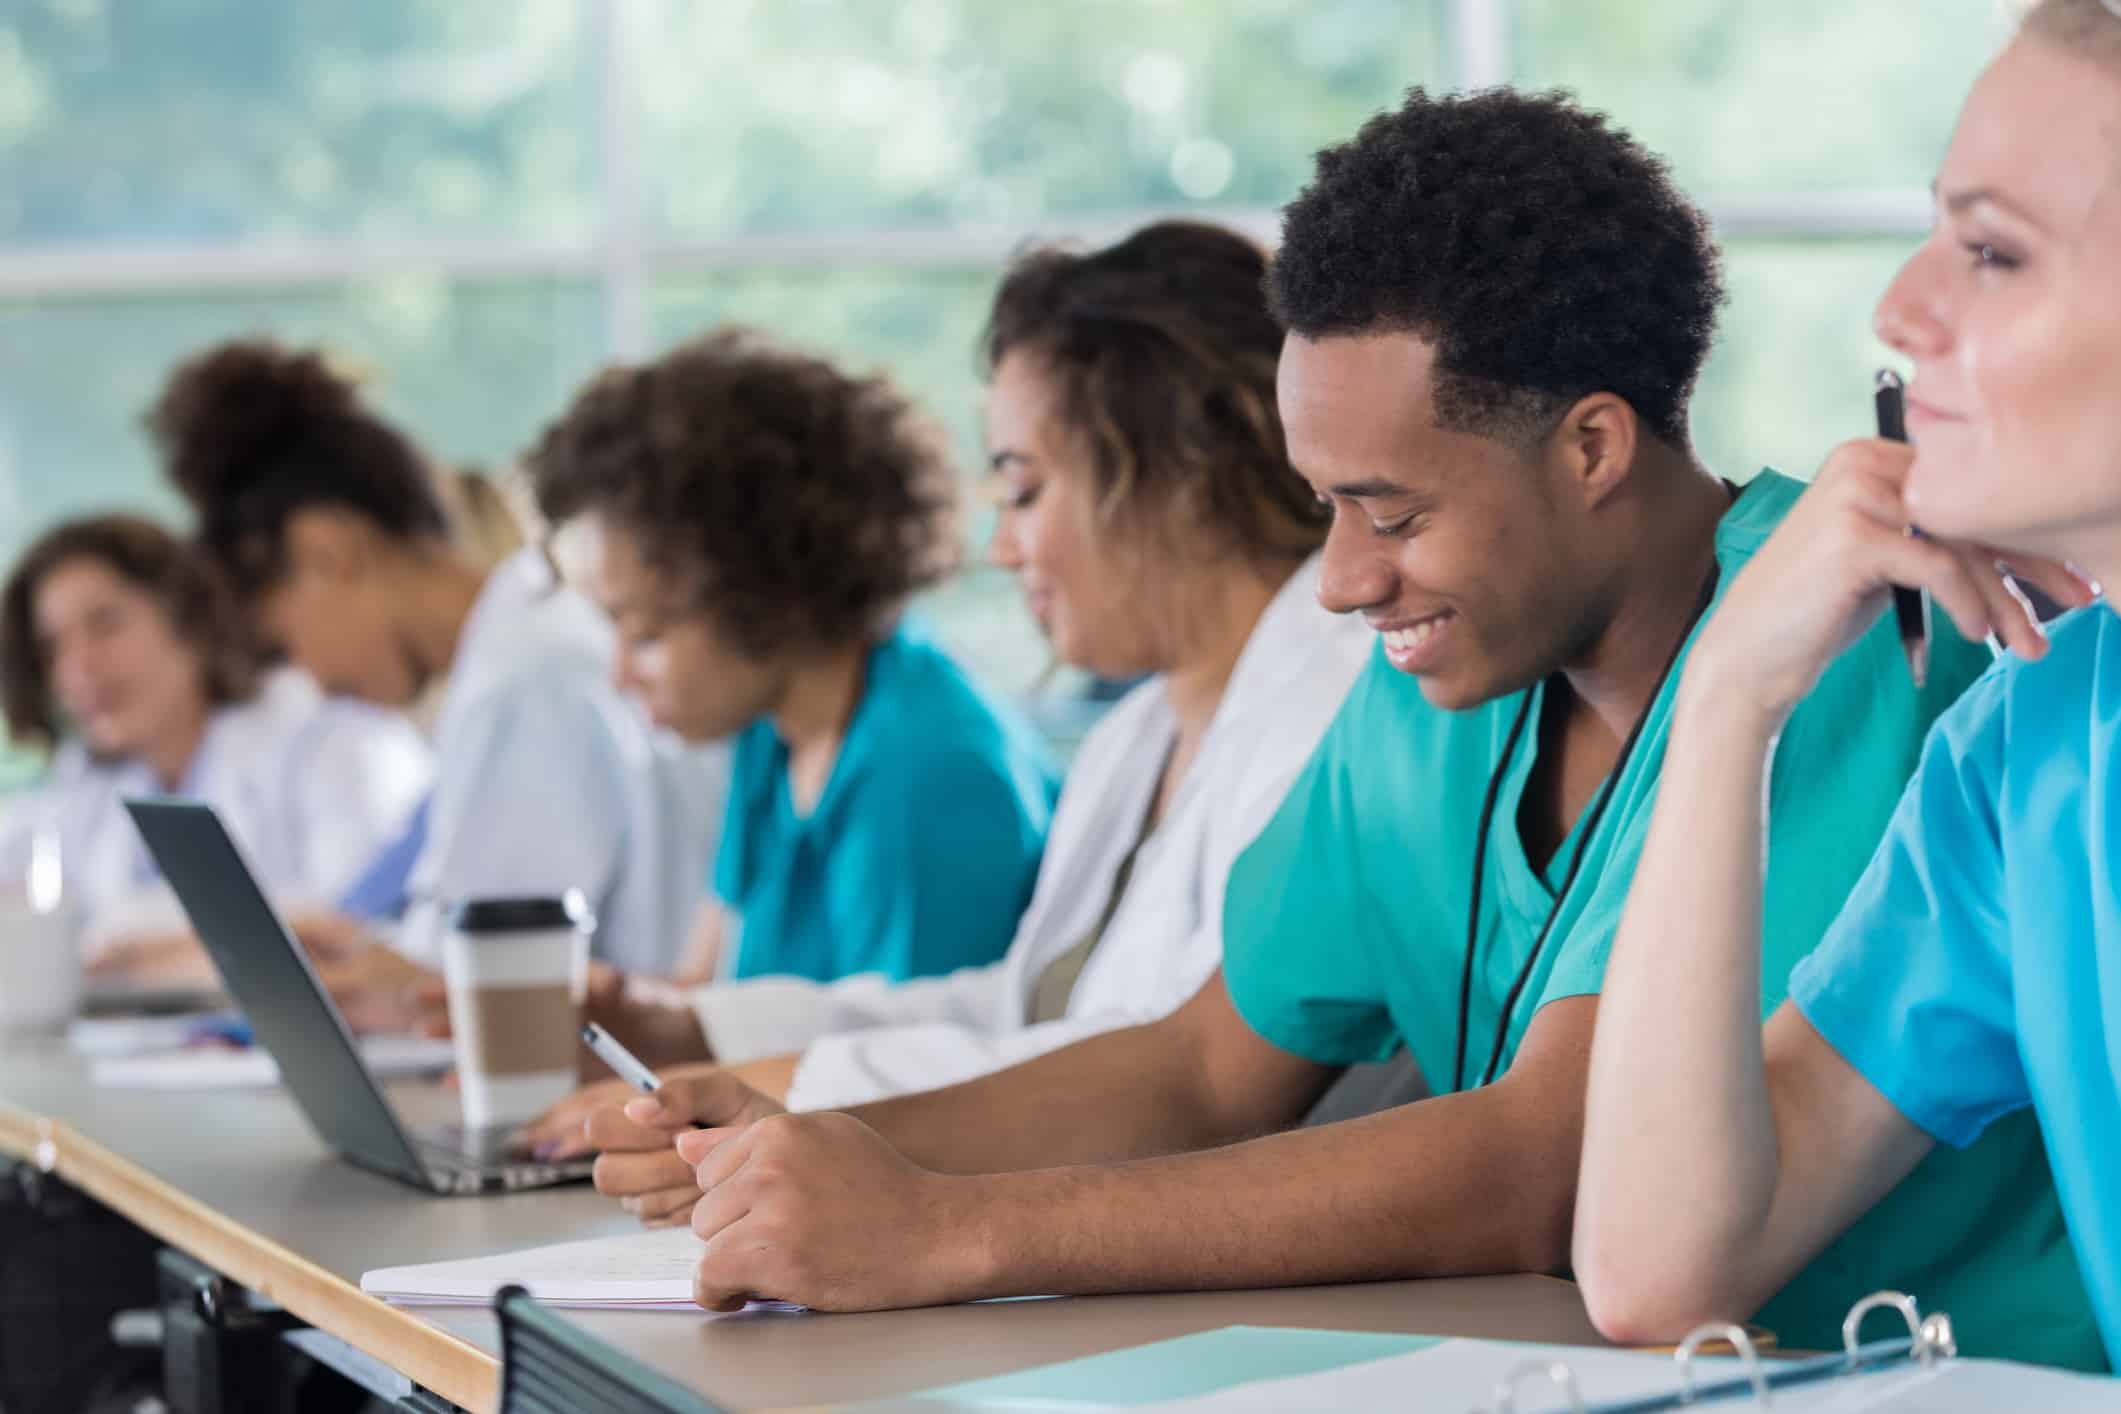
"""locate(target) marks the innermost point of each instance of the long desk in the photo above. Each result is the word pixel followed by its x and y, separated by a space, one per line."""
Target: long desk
pixel 236 1180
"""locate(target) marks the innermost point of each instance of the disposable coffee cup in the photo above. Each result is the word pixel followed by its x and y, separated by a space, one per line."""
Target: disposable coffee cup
pixel 40 944
pixel 515 969
pixel 40 967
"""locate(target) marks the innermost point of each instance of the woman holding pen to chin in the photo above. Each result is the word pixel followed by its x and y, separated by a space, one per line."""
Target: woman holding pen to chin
pixel 1976 970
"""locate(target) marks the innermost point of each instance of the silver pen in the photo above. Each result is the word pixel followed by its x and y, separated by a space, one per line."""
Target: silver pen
pixel 624 1063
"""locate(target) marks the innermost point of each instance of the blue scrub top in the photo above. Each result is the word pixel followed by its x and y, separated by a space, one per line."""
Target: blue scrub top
pixel 1976 969
pixel 921 852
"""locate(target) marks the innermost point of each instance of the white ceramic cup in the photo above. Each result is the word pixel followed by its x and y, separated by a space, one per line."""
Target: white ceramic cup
pixel 40 966
pixel 515 969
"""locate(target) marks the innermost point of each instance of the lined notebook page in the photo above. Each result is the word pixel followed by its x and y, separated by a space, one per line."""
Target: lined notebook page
pixel 639 1269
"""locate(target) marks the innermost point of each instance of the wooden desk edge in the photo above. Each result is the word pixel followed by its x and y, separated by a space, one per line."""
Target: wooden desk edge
pixel 449 1365
pixel 436 1360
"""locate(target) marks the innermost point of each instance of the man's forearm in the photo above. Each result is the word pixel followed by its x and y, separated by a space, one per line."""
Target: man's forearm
pixel 1125 1094
pixel 1463 1184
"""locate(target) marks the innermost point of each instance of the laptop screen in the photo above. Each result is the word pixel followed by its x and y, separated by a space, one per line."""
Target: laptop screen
pixel 269 976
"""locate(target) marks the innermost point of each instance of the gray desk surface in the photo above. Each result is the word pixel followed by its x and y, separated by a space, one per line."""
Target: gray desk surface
pixel 249 1180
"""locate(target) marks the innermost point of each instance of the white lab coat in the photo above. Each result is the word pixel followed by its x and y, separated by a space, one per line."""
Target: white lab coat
pixel 548 780
pixel 863 1037
pixel 311 788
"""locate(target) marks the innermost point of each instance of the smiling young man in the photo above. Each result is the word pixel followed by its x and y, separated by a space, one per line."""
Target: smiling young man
pixel 1496 309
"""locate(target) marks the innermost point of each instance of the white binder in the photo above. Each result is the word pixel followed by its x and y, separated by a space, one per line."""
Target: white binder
pixel 1919 1373
pixel 1928 1341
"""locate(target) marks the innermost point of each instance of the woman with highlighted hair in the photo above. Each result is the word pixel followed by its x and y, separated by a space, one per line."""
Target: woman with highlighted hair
pixel 1975 973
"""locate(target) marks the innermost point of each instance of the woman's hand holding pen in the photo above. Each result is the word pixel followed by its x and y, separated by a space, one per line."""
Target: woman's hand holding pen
pixel 1825 576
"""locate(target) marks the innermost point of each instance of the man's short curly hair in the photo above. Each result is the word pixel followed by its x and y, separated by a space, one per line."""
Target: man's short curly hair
pixel 800 505
pixel 1543 252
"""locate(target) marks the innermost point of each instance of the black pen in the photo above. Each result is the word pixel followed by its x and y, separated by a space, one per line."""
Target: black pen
pixel 1911 607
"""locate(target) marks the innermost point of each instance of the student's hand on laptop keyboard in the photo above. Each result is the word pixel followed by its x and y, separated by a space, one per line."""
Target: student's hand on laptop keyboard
pixel 154 958
pixel 379 989
pixel 330 937
pixel 561 1132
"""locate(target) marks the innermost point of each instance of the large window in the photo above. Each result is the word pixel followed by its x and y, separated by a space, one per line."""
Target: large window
pixel 481 200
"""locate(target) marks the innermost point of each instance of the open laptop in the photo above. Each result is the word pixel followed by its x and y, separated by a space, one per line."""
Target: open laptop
pixel 268 974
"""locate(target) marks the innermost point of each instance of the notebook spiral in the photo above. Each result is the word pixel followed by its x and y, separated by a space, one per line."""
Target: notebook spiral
pixel 1928 1340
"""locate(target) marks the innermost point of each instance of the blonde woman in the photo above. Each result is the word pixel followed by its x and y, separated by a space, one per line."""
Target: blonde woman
pixel 1972 976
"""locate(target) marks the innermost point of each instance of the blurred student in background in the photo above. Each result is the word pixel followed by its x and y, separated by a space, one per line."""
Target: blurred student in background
pixel 122 647
pixel 487 526
pixel 755 522
pixel 1155 526
pixel 333 527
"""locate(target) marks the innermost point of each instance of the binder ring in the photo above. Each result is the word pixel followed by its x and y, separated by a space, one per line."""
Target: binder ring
pixel 1740 1341
pixel 1927 1339
pixel 1553 1371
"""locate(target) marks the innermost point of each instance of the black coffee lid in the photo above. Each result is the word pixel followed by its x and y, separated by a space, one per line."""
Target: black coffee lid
pixel 518 915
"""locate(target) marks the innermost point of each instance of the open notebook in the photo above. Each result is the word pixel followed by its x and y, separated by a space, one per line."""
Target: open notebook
pixel 638 1270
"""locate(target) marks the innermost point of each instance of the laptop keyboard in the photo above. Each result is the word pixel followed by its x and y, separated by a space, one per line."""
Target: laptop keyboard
pixel 495 1145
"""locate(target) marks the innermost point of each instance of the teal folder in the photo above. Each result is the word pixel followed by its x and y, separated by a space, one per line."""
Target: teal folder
pixel 1171 1369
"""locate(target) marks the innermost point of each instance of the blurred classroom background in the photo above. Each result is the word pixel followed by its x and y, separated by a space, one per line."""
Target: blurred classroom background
pixel 480 201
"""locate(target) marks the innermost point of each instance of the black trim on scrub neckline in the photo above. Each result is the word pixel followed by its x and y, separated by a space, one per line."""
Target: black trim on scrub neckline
pixel 1590 831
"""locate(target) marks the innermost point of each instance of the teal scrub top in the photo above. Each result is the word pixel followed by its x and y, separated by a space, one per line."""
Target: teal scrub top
pixel 1975 974
pixel 1346 923
pixel 919 855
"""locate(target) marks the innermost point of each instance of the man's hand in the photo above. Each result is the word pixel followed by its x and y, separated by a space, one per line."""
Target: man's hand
pixel 634 1135
pixel 562 1132
pixel 818 1209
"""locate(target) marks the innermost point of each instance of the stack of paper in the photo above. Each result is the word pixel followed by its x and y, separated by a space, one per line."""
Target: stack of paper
pixel 1464 1375
pixel 1250 1370
pixel 639 1270
pixel 1456 1376
pixel 112 1037
pixel 216 1067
